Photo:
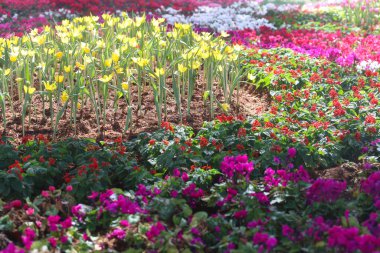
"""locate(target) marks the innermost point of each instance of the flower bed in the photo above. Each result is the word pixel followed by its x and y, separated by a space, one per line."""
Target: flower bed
pixel 227 200
pixel 345 49
pixel 292 164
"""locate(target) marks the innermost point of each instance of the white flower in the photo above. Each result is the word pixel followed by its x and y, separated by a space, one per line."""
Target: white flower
pixel 373 66
pixel 239 15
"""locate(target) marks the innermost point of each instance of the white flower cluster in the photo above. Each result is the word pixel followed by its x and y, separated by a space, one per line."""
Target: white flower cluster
pixel 3 18
pixel 373 66
pixel 60 13
pixel 237 16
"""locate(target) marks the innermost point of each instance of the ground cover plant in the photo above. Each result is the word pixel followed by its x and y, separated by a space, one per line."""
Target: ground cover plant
pixel 263 130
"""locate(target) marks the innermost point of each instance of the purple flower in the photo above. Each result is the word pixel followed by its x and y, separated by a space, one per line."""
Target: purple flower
pixel 67 223
pixel 195 231
pixel 287 231
pixel 53 242
pixel 325 190
pixel 117 233
pixel 192 192
pixel 64 239
pixel 371 185
pixel 241 214
pixel 28 237
pixel 236 165
pixel 262 198
pixel 53 220
pixel 78 212
pixel 264 240
pixel 176 173
pixel 155 231
pixel 185 177
pixel 124 223
pixel 174 194
pixel 11 248
pixel 292 152
pixel 343 238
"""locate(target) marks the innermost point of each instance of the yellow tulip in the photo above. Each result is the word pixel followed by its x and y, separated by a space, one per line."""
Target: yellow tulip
pixel 142 62
pixel 182 68
pixel 64 96
pixel 50 87
pixel 13 58
pixel 124 86
pixel 7 72
pixel 139 21
pixel 115 57
pixel 195 65
pixel 86 49
pixel 106 78
pixel 59 55
pixel 29 90
pixel 108 63
pixel 80 66
pixel 59 78
pixel 159 72
pixel 225 107
pixel 67 69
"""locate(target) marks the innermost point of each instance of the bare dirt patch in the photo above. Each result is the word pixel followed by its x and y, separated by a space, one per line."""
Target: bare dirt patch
pixel 37 120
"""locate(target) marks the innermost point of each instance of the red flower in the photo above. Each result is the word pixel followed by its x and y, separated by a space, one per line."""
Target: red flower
pixel 203 142
pixel 240 147
pixel 167 126
pixel 67 178
pixel 26 158
pixel 370 119
pixel 333 93
pixel 242 132
pixel 51 161
pixel 94 165
pixel 152 142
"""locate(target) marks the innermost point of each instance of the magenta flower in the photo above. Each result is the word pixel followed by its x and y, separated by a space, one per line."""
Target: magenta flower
pixel 53 221
pixel 53 242
pixel 325 190
pixel 28 237
pixel 124 223
pixel 117 233
pixel 66 223
pixel 292 152
pixel 192 191
pixel 236 165
pixel 371 185
pixel 155 231
pixel 241 214
pixel 265 241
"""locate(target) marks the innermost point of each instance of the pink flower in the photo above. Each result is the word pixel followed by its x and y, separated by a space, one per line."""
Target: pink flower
pixel 155 231
pixel 69 188
pixel 29 211
pixel 53 242
pixel 67 223
pixel 241 214
pixel 45 194
pixel 185 177
pixel 292 152
pixel 124 223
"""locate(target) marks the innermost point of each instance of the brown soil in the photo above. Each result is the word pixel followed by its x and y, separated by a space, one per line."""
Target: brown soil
pixel 350 172
pixel 250 103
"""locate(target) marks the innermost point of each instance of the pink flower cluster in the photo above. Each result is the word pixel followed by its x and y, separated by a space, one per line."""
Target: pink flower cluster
pixel 345 49
pixel 325 190
pixel 236 165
